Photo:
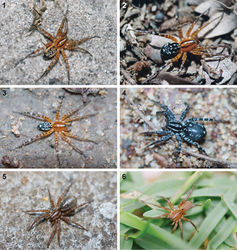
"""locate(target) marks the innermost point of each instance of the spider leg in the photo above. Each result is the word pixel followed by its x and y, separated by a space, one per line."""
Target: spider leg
pixel 36 116
pixel 155 132
pixel 63 194
pixel 204 119
pixel 71 44
pixel 181 228
pixel 78 138
pixel 52 235
pixel 73 146
pixel 179 28
pixel 59 231
pixel 161 216
pixel 179 145
pixel 54 61
pixel 168 201
pixel 73 209
pixel 70 222
pixel 160 141
pixel 194 34
pixel 184 58
pixel 70 114
pixel 59 107
pixel 175 226
pixel 193 143
pixel 82 50
pixel 37 221
pixel 183 115
pixel 78 118
pixel 67 64
pixel 186 219
pixel 36 138
pixel 169 37
pixel 51 200
pixel 166 111
pixel 56 147
pixel 37 212
pixel 188 194
pixel 60 33
pixel 46 34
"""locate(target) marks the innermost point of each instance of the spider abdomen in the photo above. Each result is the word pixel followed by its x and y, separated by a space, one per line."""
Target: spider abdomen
pixel 195 131
pixel 169 50
pixel 49 53
pixel 68 203
pixel 44 126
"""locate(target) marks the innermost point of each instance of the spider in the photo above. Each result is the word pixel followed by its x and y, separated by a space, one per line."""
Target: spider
pixel 59 45
pixel 189 43
pixel 65 207
pixel 58 127
pixel 177 215
pixel 190 130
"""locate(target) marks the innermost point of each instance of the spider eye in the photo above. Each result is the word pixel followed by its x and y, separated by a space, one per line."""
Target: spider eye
pixel 169 50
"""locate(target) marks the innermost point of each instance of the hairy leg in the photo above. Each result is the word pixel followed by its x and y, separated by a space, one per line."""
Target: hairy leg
pixel 36 116
pixel 63 194
pixel 68 221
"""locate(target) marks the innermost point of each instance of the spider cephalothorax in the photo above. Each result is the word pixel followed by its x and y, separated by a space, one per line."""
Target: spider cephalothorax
pixel 190 130
pixel 65 207
pixel 58 45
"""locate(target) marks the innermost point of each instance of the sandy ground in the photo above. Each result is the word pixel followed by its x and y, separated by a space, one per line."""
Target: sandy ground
pixel 22 191
pixel 101 128
pixel 85 18
pixel 220 141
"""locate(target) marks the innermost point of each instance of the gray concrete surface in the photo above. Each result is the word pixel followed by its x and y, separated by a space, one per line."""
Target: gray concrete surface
pixel 85 18
pixel 101 128
pixel 22 191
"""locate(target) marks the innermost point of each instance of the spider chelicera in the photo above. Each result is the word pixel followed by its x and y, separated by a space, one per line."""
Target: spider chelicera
pixel 59 45
pixel 58 127
pixel 177 215
pixel 65 207
pixel 190 130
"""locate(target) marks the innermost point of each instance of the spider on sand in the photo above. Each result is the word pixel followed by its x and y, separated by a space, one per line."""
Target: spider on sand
pixel 190 130
pixel 58 127
pixel 59 45
pixel 65 207
pixel 184 44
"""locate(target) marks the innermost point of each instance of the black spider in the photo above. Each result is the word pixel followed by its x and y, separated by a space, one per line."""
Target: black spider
pixel 190 130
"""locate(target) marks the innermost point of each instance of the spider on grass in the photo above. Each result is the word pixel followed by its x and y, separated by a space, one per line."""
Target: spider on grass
pixel 177 215
pixel 190 130
pixel 188 43
pixel 59 45
pixel 64 208
pixel 58 127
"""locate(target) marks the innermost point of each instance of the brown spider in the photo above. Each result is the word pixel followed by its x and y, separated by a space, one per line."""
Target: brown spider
pixel 177 215
pixel 58 127
pixel 188 43
pixel 59 45
pixel 65 207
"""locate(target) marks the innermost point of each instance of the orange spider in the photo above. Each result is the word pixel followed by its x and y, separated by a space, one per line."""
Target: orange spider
pixel 58 127
pixel 177 215
pixel 185 44
pixel 59 45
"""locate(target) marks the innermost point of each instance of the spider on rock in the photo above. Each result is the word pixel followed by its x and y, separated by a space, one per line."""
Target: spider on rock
pixel 177 215
pixel 184 44
pixel 65 207
pixel 58 45
pixel 58 127
pixel 190 130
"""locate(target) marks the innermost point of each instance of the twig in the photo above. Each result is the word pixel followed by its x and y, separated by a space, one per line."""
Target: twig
pixel 127 76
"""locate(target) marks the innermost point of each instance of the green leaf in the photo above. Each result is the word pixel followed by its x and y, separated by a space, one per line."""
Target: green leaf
pixel 212 219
